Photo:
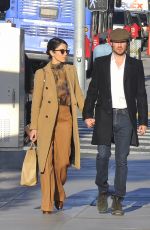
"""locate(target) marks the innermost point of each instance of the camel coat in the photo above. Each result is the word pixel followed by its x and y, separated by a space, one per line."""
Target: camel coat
pixel 45 107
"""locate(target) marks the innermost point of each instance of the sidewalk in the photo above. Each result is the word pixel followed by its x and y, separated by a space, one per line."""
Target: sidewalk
pixel 20 206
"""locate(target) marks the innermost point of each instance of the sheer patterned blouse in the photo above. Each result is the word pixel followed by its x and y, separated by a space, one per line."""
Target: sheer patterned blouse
pixel 62 87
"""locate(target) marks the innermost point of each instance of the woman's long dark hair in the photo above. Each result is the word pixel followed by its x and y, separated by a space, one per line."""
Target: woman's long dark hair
pixel 53 44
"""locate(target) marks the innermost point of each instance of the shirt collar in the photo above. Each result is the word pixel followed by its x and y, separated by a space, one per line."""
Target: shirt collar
pixel 114 61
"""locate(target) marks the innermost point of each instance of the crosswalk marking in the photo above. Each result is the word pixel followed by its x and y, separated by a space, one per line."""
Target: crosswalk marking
pixel 86 137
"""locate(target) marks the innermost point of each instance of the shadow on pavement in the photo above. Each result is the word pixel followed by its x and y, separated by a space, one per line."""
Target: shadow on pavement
pixel 13 195
pixel 137 199
pixel 134 200
pixel 82 198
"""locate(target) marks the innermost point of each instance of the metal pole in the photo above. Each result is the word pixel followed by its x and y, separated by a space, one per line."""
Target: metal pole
pixel 79 41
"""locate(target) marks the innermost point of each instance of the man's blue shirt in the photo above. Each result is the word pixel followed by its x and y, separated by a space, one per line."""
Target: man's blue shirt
pixel 102 50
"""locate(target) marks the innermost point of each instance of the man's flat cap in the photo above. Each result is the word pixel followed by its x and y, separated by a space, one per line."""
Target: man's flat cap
pixel 119 35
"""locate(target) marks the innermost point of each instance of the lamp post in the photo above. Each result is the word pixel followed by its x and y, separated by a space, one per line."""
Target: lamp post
pixel 79 41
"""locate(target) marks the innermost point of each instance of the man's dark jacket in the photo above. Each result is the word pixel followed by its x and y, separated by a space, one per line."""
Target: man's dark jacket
pixel 98 102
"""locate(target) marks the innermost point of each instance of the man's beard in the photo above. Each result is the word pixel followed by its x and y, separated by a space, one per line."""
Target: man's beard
pixel 120 54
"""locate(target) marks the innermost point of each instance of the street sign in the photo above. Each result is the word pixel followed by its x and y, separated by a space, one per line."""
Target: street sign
pixel 98 5
pixel 133 5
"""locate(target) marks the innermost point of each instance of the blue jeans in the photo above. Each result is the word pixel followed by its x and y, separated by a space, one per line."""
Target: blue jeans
pixel 122 131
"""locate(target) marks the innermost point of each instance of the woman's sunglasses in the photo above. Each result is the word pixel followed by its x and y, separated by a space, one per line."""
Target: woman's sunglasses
pixel 63 51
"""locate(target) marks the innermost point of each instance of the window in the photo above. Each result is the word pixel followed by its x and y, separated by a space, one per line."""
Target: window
pixel 143 18
pixel 118 18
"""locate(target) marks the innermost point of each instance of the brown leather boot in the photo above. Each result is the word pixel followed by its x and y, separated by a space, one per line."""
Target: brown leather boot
pixel 102 204
pixel 117 206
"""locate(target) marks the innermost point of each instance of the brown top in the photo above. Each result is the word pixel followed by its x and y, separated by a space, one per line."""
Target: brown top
pixel 63 92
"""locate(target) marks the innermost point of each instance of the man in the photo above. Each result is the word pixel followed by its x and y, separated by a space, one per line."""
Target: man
pixel 118 89
pixel 103 48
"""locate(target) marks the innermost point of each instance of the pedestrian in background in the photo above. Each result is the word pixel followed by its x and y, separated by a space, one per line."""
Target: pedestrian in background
pixel 56 96
pixel 104 48
pixel 118 89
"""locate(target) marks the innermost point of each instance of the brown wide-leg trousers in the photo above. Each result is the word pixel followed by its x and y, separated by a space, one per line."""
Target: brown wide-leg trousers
pixel 55 174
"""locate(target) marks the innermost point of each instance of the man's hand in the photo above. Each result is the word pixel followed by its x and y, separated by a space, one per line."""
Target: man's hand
pixel 141 129
pixel 90 122
pixel 33 135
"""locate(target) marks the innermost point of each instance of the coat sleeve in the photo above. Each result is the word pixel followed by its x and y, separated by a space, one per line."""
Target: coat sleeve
pixel 92 94
pixel 78 92
pixel 142 105
pixel 37 98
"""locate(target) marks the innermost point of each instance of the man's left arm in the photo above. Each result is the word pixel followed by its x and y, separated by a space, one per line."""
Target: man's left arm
pixel 142 105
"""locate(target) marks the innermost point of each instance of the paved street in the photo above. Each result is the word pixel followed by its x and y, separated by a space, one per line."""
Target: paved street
pixel 20 206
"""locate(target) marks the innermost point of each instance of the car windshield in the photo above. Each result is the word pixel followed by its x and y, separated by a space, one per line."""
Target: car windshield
pixel 135 20
pixel 143 18
pixel 118 18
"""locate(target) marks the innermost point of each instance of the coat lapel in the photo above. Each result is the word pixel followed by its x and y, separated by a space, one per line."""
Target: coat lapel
pixel 127 69
pixel 108 72
pixel 50 81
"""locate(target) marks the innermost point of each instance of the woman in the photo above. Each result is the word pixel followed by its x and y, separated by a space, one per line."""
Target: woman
pixel 56 96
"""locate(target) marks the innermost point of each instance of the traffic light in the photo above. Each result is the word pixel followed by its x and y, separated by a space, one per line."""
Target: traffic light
pixel 98 5
pixel 118 3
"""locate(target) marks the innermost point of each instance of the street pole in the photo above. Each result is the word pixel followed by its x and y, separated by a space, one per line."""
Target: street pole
pixel 79 41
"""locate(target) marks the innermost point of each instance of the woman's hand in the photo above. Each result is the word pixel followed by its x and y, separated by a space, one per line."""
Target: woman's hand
pixel 33 135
